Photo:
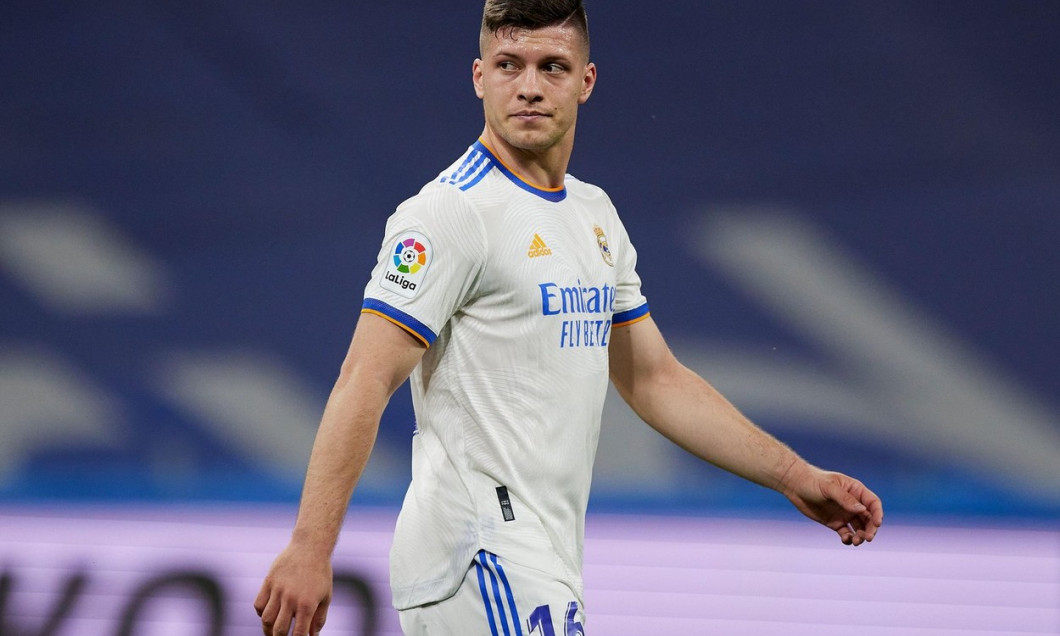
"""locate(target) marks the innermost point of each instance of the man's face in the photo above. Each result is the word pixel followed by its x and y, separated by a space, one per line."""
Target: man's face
pixel 531 84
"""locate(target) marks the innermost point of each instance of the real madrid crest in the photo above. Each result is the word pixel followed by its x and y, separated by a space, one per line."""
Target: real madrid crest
pixel 605 251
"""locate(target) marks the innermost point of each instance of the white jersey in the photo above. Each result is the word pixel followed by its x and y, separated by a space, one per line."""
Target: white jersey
pixel 515 290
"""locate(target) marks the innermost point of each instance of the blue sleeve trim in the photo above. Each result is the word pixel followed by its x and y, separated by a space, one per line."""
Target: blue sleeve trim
pixel 630 316
pixel 421 331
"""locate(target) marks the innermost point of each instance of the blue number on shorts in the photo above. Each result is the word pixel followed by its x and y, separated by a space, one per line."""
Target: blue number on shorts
pixel 542 617
pixel 573 628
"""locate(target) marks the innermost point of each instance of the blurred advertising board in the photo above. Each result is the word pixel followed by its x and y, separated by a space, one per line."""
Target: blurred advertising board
pixel 169 571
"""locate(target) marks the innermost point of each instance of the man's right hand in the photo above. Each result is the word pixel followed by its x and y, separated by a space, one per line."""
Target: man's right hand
pixel 296 590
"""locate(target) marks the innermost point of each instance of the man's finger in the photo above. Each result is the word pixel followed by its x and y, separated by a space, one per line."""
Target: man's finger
pixel 263 597
pixel 268 615
pixel 303 617
pixel 320 617
pixel 838 490
pixel 283 621
pixel 875 507
pixel 867 527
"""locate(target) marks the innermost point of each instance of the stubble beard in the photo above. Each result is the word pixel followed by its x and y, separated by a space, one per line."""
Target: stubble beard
pixel 535 139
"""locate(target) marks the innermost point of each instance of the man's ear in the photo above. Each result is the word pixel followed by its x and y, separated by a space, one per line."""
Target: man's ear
pixel 476 77
pixel 588 82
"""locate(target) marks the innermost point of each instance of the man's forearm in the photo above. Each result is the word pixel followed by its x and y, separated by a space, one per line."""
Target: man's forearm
pixel 694 415
pixel 343 445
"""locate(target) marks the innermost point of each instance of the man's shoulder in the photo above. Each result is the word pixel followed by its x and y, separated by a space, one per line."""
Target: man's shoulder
pixel 436 199
pixel 439 204
pixel 586 191
pixel 570 181
pixel 466 172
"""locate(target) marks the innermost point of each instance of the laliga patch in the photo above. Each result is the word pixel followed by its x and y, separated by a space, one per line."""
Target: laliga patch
pixel 408 264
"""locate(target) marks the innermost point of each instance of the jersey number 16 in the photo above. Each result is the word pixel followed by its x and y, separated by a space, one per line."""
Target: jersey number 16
pixel 542 618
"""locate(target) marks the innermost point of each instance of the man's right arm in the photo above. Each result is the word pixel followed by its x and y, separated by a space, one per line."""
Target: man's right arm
pixel 298 587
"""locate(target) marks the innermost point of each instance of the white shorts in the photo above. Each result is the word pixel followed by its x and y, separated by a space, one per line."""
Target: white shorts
pixel 500 598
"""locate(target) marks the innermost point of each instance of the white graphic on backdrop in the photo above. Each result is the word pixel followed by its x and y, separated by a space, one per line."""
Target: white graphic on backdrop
pixel 893 375
pixel 896 374
pixel 74 261
pixel 47 402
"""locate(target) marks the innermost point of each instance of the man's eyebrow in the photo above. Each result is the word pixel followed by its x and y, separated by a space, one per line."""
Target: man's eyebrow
pixel 554 57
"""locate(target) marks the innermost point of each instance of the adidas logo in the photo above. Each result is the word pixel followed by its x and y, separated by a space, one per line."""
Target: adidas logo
pixel 538 248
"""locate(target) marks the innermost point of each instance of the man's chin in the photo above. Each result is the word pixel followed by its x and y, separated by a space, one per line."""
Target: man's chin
pixel 532 141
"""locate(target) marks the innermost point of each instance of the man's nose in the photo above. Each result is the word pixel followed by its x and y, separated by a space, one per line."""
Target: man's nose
pixel 530 87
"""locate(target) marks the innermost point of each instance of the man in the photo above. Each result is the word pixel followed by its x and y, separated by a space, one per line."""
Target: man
pixel 508 290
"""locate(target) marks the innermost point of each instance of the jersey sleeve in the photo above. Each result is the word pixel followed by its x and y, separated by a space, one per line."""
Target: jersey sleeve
pixel 428 264
pixel 630 304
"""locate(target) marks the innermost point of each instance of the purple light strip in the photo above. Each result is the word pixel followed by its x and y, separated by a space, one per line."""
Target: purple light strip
pixel 642 575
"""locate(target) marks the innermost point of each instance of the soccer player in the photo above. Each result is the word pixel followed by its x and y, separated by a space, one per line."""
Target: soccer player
pixel 507 290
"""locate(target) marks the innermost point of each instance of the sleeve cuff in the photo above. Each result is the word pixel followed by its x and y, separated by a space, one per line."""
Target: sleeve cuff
pixel 630 316
pixel 416 328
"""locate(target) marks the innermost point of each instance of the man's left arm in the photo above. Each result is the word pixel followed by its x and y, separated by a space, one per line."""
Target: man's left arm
pixel 685 408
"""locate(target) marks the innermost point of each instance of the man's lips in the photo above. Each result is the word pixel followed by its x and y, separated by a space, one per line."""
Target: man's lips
pixel 528 114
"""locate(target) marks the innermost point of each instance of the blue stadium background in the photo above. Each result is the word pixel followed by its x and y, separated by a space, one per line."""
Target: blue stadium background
pixel 847 213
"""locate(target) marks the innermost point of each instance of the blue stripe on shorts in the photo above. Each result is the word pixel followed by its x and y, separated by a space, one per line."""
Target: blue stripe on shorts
pixel 486 563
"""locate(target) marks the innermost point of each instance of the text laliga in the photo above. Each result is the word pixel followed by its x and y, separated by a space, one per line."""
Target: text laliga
pixel 401 281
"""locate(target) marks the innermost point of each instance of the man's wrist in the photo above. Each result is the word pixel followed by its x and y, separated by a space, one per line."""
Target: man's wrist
pixel 312 543
pixel 793 469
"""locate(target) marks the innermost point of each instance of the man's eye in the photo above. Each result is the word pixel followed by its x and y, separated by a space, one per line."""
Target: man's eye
pixel 554 68
pixel 506 66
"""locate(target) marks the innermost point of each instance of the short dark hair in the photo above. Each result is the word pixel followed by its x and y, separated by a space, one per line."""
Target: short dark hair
pixel 500 15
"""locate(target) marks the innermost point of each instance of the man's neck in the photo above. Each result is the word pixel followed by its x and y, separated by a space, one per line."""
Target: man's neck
pixel 545 169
